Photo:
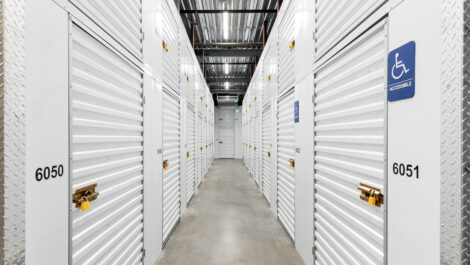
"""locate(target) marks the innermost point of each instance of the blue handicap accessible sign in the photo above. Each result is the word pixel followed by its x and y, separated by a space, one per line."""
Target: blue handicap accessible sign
pixel 401 72
pixel 296 112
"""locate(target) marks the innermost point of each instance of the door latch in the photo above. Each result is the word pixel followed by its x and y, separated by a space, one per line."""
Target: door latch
pixel 83 196
pixel 291 162
pixel 373 196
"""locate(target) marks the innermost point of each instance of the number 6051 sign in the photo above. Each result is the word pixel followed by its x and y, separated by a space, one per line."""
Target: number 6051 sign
pixel 408 170
pixel 45 173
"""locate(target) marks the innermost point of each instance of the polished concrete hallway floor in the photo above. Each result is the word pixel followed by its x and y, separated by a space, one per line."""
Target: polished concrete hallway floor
pixel 229 222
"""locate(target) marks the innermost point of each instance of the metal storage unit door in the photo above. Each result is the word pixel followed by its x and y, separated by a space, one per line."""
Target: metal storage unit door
pixel 106 146
pixel 171 162
pixel 267 153
pixel 122 19
pixel 285 170
pixel 190 146
pixel 257 148
pixel 286 49
pixel 350 131
pixel 170 45
pixel 198 150
pixel 336 18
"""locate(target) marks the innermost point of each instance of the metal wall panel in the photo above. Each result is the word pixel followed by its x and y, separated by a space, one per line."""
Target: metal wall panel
pixel 350 147
pixel 123 19
pixel 106 148
pixel 336 18
pixel 286 76
pixel 191 155
pixel 266 154
pixel 171 154
pixel 285 171
pixel 170 48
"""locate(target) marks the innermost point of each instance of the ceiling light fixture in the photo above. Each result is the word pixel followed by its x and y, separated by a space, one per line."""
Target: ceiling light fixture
pixel 225 17
pixel 226 85
pixel 226 68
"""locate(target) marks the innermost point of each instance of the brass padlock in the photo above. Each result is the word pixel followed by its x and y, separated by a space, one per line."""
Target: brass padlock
pixel 165 46
pixel 165 165
pixel 187 154
pixel 291 162
pixel 269 154
pixel 292 45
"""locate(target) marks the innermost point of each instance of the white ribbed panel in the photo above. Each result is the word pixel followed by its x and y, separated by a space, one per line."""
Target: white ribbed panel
pixel 122 18
pixel 257 147
pixel 204 142
pixel 286 75
pixel 286 151
pixel 336 18
pixel 191 149
pixel 267 149
pixel 269 76
pixel 171 153
pixel 171 60
pixel 106 146
pixel 199 150
pixel 350 120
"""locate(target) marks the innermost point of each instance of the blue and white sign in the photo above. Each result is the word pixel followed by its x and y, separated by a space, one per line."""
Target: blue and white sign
pixel 296 112
pixel 401 72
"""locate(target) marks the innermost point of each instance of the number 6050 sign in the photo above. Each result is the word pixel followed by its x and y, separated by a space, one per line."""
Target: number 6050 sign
pixel 45 173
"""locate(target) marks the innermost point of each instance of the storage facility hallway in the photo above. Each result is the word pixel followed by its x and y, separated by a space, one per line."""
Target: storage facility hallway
pixel 229 222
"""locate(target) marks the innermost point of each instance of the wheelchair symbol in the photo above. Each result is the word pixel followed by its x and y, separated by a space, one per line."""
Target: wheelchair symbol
pixel 399 65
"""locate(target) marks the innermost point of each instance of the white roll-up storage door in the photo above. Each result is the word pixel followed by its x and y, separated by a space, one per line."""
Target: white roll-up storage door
pixel 286 76
pixel 285 171
pixel 266 175
pixel 122 19
pixel 170 44
pixel 191 149
pixel 336 18
pixel 171 158
pixel 106 146
pixel 257 147
pixel 199 149
pixel 350 147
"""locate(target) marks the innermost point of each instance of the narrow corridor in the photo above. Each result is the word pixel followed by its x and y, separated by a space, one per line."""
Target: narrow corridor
pixel 229 222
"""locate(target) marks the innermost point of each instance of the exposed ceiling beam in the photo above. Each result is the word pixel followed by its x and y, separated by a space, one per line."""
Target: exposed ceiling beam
pixel 233 11
pixel 228 79
pixel 230 53
pixel 229 92
pixel 228 44
pixel 228 63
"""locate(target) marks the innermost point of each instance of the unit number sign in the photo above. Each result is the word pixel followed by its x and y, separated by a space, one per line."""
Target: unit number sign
pixel 408 170
pixel 49 172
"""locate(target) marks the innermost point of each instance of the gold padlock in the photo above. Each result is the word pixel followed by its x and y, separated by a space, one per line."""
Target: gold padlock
pixel 372 201
pixel 85 205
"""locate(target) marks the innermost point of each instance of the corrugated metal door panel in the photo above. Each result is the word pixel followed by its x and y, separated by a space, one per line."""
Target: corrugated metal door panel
pixel 171 154
pixel 286 76
pixel 191 149
pixel 189 94
pixel 350 129
pixel 267 153
pixel 256 148
pixel 286 151
pixel 171 52
pixel 122 19
pixel 199 149
pixel 106 130
pixel 336 18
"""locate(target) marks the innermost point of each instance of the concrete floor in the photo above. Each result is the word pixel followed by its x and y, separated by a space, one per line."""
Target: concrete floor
pixel 229 222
